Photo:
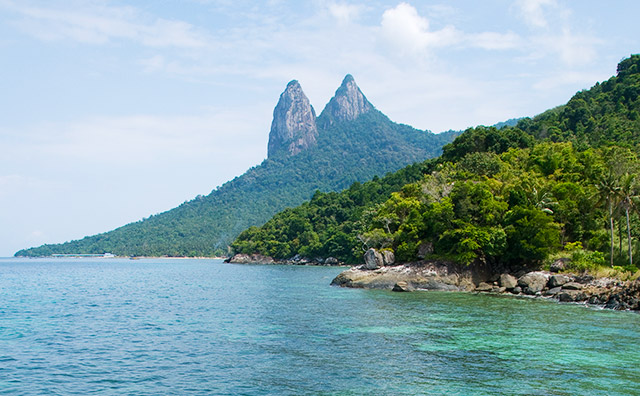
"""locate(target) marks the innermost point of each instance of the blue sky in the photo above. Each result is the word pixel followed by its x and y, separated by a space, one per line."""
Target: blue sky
pixel 115 110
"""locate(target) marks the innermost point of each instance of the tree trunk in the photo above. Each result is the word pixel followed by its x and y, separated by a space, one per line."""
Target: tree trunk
pixel 611 224
pixel 620 237
pixel 626 209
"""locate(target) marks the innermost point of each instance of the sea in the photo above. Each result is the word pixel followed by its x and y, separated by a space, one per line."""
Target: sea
pixel 108 326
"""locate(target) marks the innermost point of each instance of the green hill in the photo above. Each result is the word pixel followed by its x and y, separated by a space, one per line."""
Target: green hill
pixel 511 197
pixel 350 141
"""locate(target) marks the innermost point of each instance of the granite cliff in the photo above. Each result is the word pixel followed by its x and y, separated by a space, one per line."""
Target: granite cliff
pixel 347 104
pixel 294 123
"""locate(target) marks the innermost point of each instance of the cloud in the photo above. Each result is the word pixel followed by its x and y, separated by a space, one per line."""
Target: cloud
pixel 533 13
pixel 96 24
pixel 405 29
pixel 495 41
pixel 344 13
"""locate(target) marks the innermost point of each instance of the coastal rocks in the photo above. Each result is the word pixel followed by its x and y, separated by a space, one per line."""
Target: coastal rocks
pixel 242 258
pixel 533 282
pixel 373 259
pixel 249 259
pixel 401 286
pixel 558 280
pixel 388 258
pixel 559 265
pixel 571 296
pixel 423 275
pixel 331 261
pixel 484 287
pixel 425 249
pixel 572 286
pixel 509 282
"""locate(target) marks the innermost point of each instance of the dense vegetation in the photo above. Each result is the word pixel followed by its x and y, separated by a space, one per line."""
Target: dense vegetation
pixel 564 180
pixel 346 152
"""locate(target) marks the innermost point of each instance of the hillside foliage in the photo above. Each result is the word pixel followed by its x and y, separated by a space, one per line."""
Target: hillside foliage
pixel 566 179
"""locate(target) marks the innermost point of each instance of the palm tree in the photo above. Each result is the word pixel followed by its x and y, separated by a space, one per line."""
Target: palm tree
pixel 629 195
pixel 608 192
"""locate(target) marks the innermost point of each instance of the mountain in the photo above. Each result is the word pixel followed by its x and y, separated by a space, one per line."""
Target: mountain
pixel 507 197
pixel 350 141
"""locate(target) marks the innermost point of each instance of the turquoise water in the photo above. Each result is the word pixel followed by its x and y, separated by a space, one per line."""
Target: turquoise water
pixel 201 327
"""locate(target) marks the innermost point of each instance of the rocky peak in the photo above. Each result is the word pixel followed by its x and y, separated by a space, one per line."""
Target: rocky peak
pixel 294 122
pixel 347 104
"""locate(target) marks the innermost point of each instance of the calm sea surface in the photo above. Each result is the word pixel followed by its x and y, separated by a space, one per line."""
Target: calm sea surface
pixel 201 327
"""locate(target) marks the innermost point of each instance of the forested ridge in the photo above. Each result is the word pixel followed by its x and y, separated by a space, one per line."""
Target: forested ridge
pixel 562 183
pixel 346 152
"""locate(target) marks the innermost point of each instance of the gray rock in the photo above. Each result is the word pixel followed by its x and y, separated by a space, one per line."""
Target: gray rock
pixel 373 259
pixel 571 296
pixel 331 261
pixel 294 123
pixel 533 282
pixel 553 291
pixel 559 265
pixel 347 104
pixel 425 249
pixel 572 286
pixel 508 281
pixel 484 287
pixel 558 280
pixel 401 286
pixel 516 290
pixel 388 258
pixel 250 259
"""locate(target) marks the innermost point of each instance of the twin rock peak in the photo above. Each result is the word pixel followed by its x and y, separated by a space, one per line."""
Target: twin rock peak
pixel 295 125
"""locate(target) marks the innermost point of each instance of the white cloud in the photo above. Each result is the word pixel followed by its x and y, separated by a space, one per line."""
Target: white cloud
pixel 494 41
pixel 533 11
pixel 406 30
pixel 94 24
pixel 344 13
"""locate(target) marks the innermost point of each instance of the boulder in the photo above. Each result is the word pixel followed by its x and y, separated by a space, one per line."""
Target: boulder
pixel 533 282
pixel 401 286
pixel 558 280
pixel 484 287
pixel 331 261
pixel 508 281
pixel 571 296
pixel 516 290
pixel 373 259
pixel 242 258
pixel 572 286
pixel 559 265
pixel 388 258
pixel 425 249
pixel 553 291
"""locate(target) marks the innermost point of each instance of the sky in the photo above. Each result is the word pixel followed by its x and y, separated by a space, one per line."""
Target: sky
pixel 116 110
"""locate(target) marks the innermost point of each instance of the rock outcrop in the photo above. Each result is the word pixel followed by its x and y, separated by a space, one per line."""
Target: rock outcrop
pixel 242 258
pixel 423 275
pixel 249 259
pixel 294 126
pixel 347 104
pixel 373 259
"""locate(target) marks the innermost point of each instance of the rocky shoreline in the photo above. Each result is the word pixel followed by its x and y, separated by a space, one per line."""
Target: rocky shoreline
pixel 440 275
pixel 380 271
pixel 242 258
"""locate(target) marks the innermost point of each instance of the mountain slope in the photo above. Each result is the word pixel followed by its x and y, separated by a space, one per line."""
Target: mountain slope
pixel 350 141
